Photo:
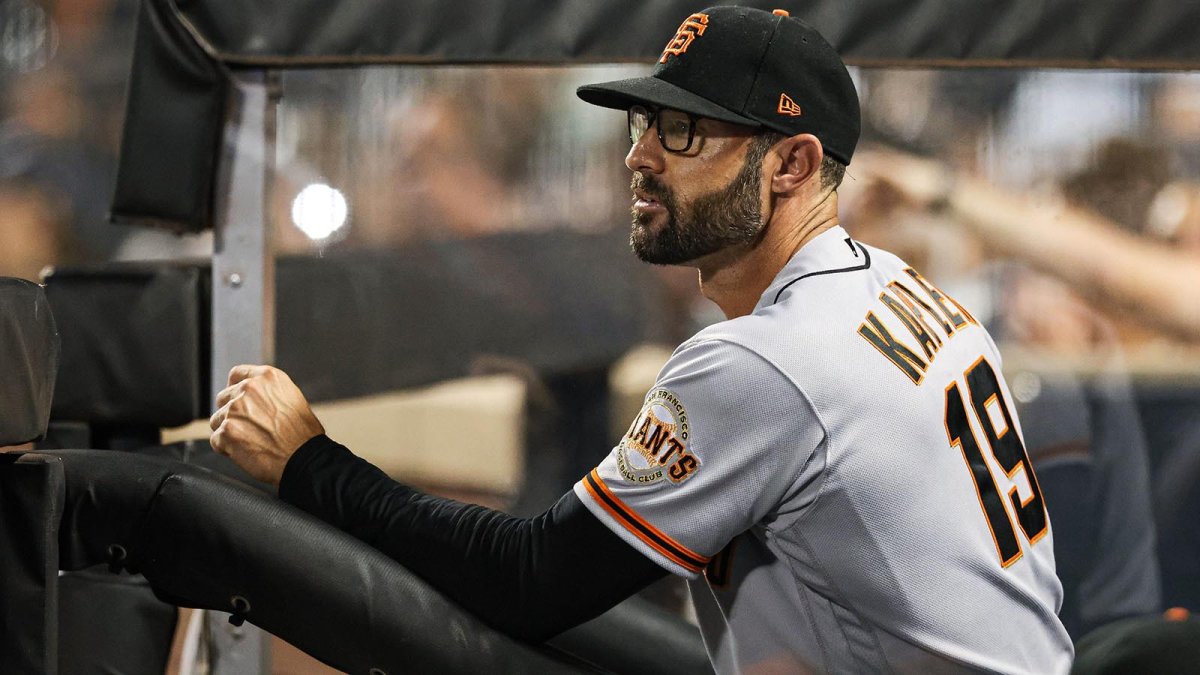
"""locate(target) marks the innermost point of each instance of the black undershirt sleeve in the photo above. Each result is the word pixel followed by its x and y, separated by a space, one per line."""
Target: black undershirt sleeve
pixel 531 578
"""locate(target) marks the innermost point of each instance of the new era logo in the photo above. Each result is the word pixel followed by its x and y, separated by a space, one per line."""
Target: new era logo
pixel 789 107
pixel 692 26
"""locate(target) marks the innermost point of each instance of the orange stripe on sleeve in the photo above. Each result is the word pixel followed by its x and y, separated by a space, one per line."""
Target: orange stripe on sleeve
pixel 642 529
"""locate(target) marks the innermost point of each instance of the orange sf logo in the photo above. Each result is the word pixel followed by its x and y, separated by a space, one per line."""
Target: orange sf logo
pixel 692 26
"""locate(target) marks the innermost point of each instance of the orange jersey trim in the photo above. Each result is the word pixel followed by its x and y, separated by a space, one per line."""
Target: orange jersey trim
pixel 640 528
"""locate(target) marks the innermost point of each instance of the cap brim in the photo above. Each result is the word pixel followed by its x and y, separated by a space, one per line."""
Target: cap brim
pixel 621 94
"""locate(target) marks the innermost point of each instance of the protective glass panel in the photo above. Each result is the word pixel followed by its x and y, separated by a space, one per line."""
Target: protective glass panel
pixel 444 153
pixel 62 95
pixel 465 224
pixel 474 218
pixel 455 286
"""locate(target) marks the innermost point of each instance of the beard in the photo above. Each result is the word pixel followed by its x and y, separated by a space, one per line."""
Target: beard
pixel 727 217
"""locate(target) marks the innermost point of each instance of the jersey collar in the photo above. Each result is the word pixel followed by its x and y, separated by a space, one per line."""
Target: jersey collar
pixel 830 252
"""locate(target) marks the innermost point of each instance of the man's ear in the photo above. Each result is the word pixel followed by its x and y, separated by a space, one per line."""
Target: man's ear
pixel 800 157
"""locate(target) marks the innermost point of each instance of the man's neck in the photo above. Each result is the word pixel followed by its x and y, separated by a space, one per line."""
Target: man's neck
pixel 736 279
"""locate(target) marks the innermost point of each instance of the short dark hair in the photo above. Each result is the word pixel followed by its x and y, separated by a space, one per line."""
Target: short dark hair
pixel 832 171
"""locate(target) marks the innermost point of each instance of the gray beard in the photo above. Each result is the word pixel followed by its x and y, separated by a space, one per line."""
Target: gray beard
pixel 731 216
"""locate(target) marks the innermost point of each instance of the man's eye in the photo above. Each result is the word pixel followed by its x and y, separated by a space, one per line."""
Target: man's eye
pixel 676 127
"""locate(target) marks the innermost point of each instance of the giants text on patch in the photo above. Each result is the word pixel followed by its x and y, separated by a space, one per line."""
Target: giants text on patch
pixel 657 442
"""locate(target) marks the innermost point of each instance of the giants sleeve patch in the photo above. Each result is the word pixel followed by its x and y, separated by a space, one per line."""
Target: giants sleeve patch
pixel 656 446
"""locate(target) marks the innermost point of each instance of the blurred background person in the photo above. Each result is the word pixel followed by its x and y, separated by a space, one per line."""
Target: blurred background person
pixel 1111 264
pixel 34 230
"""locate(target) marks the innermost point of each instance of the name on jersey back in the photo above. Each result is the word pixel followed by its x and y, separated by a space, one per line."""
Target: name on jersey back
pixel 929 316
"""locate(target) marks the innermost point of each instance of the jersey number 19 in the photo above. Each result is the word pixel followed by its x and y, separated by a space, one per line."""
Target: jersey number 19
pixel 987 402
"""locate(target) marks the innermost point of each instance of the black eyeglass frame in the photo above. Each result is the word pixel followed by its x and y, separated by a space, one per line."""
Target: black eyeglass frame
pixel 653 120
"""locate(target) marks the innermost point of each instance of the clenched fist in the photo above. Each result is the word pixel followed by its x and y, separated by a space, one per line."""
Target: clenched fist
pixel 262 418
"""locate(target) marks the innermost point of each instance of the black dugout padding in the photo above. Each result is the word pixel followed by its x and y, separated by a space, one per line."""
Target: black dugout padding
pixel 185 51
pixel 125 327
pixel 31 504
pixel 29 351
pixel 112 623
pixel 205 541
pixel 355 324
pixel 551 302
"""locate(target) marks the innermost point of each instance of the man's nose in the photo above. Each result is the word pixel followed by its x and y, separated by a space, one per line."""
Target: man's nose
pixel 646 155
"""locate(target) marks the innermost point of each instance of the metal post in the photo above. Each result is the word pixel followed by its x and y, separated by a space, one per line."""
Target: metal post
pixel 243 264
pixel 243 304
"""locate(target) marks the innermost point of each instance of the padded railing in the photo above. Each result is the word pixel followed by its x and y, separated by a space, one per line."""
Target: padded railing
pixel 203 540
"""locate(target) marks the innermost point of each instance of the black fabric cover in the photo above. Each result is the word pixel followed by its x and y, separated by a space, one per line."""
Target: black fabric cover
pixel 370 322
pixel 203 540
pixel 135 343
pixel 174 113
pixel 184 48
pixel 106 500
pixel 112 623
pixel 311 32
pixel 29 347
pixel 206 541
pixel 31 502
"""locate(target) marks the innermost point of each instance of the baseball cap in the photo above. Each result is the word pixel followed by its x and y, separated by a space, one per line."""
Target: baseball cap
pixel 752 67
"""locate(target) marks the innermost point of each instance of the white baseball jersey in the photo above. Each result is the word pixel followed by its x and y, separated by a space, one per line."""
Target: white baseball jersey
pixel 841 477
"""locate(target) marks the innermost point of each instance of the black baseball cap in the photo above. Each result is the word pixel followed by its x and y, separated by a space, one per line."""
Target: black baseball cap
pixel 752 67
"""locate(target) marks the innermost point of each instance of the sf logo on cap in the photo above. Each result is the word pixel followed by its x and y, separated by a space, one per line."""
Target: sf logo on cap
pixel 692 26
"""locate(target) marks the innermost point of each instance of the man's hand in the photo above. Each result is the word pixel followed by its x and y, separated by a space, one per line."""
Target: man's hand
pixel 262 418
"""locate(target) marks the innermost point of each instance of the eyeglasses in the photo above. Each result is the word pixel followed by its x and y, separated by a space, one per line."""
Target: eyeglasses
pixel 676 129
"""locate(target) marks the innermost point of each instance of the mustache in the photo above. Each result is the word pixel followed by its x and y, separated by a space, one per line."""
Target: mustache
pixel 651 186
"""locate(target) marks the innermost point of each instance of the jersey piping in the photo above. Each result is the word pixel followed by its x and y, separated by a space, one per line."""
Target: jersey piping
pixel 855 268
pixel 640 528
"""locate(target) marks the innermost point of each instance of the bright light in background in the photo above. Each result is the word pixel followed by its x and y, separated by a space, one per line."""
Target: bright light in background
pixel 319 211
pixel 28 36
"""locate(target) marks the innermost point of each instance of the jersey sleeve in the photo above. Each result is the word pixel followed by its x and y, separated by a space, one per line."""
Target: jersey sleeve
pixel 718 445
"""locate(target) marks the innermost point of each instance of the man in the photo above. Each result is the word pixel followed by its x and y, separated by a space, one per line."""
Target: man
pixel 836 469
